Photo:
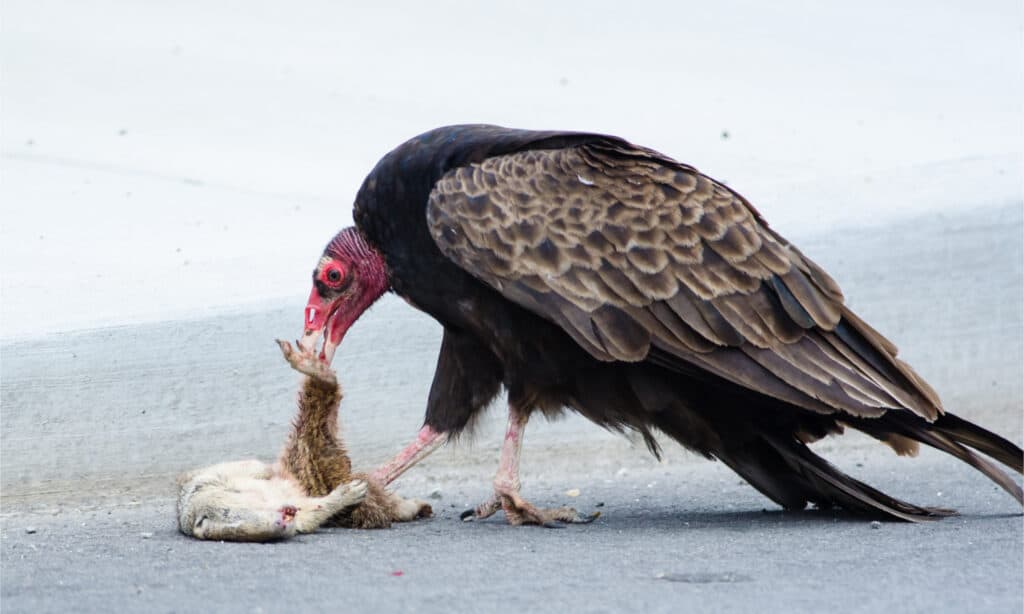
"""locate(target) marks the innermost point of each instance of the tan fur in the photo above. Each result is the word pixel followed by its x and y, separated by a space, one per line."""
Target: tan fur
pixel 312 484
pixel 251 501
pixel 316 458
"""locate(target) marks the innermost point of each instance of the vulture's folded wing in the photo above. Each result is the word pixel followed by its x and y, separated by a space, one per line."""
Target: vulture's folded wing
pixel 639 257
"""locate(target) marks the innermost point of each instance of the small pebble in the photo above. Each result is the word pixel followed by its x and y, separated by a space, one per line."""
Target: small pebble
pixel 30 530
pixel 876 525
pixel 145 535
pixel 573 492
pixel 435 494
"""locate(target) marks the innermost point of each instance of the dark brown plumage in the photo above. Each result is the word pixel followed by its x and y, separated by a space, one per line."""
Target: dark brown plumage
pixel 628 251
pixel 580 271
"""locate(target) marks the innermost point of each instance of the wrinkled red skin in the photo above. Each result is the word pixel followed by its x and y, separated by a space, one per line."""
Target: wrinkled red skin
pixel 335 304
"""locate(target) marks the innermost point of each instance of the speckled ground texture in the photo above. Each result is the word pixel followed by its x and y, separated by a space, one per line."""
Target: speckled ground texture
pixel 95 424
pixel 671 539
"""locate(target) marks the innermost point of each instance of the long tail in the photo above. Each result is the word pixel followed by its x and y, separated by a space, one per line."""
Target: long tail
pixel 770 453
pixel 954 436
pixel 788 472
pixel 982 440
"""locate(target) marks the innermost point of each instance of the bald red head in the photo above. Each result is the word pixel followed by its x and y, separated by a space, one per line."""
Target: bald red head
pixel 349 277
pixel 349 244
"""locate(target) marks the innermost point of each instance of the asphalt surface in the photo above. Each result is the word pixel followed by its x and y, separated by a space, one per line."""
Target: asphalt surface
pixel 95 424
pixel 671 538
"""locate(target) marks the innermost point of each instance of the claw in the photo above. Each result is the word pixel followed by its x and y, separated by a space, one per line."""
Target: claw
pixel 307 363
pixel 286 348
pixel 484 510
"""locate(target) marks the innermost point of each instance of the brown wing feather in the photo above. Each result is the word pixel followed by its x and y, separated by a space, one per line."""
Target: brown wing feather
pixel 626 249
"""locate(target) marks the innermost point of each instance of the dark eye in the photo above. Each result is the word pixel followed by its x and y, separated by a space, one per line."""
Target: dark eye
pixel 334 275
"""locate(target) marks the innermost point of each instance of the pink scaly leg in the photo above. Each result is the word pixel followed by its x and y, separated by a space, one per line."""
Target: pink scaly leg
pixel 427 440
pixel 506 486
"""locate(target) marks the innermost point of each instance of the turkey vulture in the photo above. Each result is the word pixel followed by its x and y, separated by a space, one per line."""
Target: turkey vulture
pixel 581 271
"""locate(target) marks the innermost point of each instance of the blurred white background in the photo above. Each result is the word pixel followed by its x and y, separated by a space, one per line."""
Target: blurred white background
pixel 165 159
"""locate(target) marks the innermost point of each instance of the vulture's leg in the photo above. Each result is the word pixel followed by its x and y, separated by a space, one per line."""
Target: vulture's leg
pixel 506 486
pixel 427 440
pixel 468 376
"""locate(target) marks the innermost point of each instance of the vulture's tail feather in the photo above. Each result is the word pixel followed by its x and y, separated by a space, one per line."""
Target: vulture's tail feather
pixel 786 471
pixel 982 440
pixel 760 465
pixel 952 435
pixel 838 488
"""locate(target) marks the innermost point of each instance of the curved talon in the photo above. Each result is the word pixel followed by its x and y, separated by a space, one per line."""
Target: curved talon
pixel 484 510
pixel 286 348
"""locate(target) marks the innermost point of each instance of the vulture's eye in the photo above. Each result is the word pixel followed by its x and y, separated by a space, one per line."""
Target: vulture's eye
pixel 333 275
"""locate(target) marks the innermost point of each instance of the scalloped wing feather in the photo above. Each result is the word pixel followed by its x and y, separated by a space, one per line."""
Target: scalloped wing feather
pixel 626 249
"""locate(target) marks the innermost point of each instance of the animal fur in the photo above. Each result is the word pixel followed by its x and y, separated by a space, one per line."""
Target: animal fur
pixel 316 458
pixel 250 500
pixel 311 485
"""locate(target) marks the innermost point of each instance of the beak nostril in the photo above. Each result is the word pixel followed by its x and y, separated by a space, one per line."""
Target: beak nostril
pixel 310 315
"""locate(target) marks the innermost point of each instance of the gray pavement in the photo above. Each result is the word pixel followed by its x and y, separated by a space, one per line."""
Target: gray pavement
pixel 671 539
pixel 93 426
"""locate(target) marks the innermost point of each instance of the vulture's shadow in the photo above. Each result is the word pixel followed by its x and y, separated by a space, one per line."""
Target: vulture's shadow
pixel 743 520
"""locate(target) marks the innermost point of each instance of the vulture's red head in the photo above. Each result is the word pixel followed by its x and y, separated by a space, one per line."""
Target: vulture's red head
pixel 349 277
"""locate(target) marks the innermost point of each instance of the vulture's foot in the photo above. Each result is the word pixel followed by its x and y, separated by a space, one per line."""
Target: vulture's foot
pixel 519 511
pixel 506 487
pixel 307 362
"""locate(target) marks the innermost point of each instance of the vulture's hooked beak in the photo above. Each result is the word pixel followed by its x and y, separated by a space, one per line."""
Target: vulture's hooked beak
pixel 320 321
